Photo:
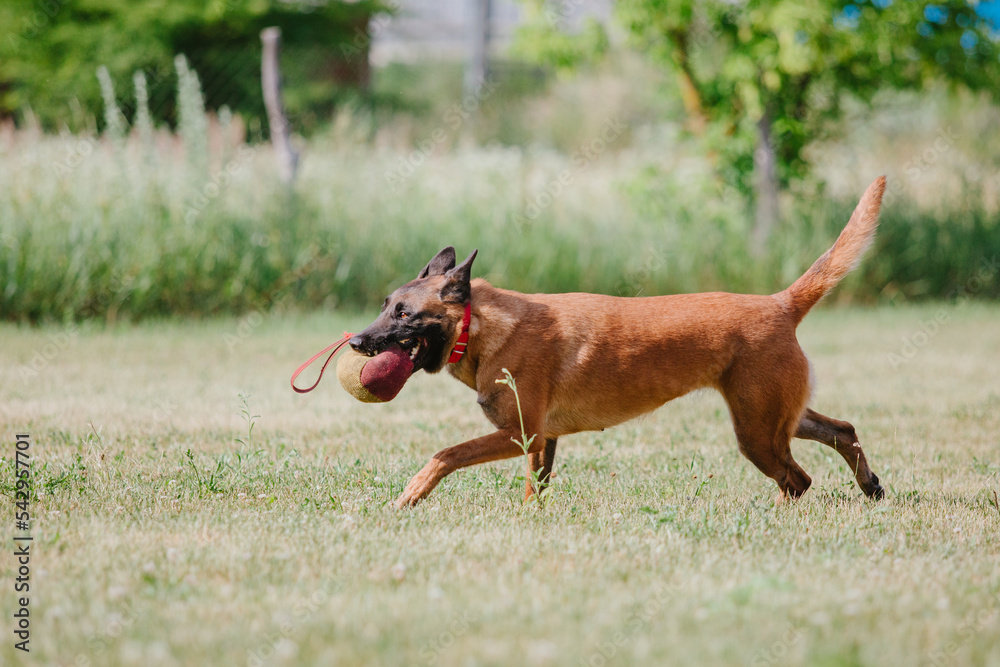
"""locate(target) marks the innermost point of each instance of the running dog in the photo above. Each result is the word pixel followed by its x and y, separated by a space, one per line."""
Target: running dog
pixel 585 362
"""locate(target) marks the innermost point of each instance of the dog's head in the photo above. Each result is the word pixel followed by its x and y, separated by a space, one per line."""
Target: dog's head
pixel 424 316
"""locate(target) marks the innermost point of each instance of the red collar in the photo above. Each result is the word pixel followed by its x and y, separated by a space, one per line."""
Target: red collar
pixel 463 338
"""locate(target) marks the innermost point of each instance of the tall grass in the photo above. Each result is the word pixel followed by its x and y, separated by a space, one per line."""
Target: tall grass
pixel 200 225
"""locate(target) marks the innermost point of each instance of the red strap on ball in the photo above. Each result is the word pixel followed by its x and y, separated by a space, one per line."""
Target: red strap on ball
pixel 339 344
pixel 463 338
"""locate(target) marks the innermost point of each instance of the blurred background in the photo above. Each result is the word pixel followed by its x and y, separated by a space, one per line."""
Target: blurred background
pixel 632 147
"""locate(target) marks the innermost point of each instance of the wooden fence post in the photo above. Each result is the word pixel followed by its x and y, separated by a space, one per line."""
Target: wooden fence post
pixel 478 66
pixel 270 78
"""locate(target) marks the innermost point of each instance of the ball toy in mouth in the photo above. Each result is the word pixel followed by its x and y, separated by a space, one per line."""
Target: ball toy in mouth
pixel 374 379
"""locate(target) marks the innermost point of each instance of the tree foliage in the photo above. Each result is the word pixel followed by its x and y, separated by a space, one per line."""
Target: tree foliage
pixel 542 37
pixel 50 51
pixel 794 62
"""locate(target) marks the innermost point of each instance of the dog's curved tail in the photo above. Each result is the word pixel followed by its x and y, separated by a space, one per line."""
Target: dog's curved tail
pixel 839 260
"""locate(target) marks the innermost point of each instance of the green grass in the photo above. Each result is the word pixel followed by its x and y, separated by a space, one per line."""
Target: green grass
pixel 162 540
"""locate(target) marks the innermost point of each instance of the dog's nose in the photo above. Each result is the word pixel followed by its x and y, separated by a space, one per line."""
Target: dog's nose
pixel 356 342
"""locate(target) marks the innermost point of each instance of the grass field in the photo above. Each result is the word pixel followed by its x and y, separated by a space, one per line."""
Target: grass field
pixel 160 539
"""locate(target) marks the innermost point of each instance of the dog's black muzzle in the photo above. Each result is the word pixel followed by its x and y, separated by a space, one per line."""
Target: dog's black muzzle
pixel 369 343
pixel 377 337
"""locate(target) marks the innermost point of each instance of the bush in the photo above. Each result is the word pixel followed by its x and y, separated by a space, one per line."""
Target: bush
pixel 122 233
pixel 49 52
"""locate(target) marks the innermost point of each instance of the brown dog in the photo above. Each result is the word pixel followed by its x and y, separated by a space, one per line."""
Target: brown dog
pixel 584 362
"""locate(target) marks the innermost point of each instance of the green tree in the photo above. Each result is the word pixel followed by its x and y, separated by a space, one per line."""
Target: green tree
pixel 50 51
pixel 760 78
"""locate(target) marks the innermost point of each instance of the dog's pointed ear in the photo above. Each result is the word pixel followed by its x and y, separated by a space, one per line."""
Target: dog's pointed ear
pixel 443 262
pixel 458 288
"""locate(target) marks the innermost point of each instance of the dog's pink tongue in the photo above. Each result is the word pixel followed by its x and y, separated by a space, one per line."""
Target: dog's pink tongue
pixel 385 374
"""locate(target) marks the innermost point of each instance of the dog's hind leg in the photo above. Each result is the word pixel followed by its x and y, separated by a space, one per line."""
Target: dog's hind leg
pixel 540 462
pixel 765 441
pixel 840 436
pixel 765 412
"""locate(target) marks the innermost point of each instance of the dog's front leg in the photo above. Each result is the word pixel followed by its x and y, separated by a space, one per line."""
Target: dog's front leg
pixel 493 447
pixel 540 468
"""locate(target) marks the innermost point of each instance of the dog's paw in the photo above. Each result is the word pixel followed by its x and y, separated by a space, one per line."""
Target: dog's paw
pixel 421 484
pixel 405 501
pixel 875 490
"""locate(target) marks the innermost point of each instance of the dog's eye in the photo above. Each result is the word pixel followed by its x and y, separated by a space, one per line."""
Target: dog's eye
pixel 403 314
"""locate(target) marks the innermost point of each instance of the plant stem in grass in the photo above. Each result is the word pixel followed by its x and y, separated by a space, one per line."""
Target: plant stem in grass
pixel 525 441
